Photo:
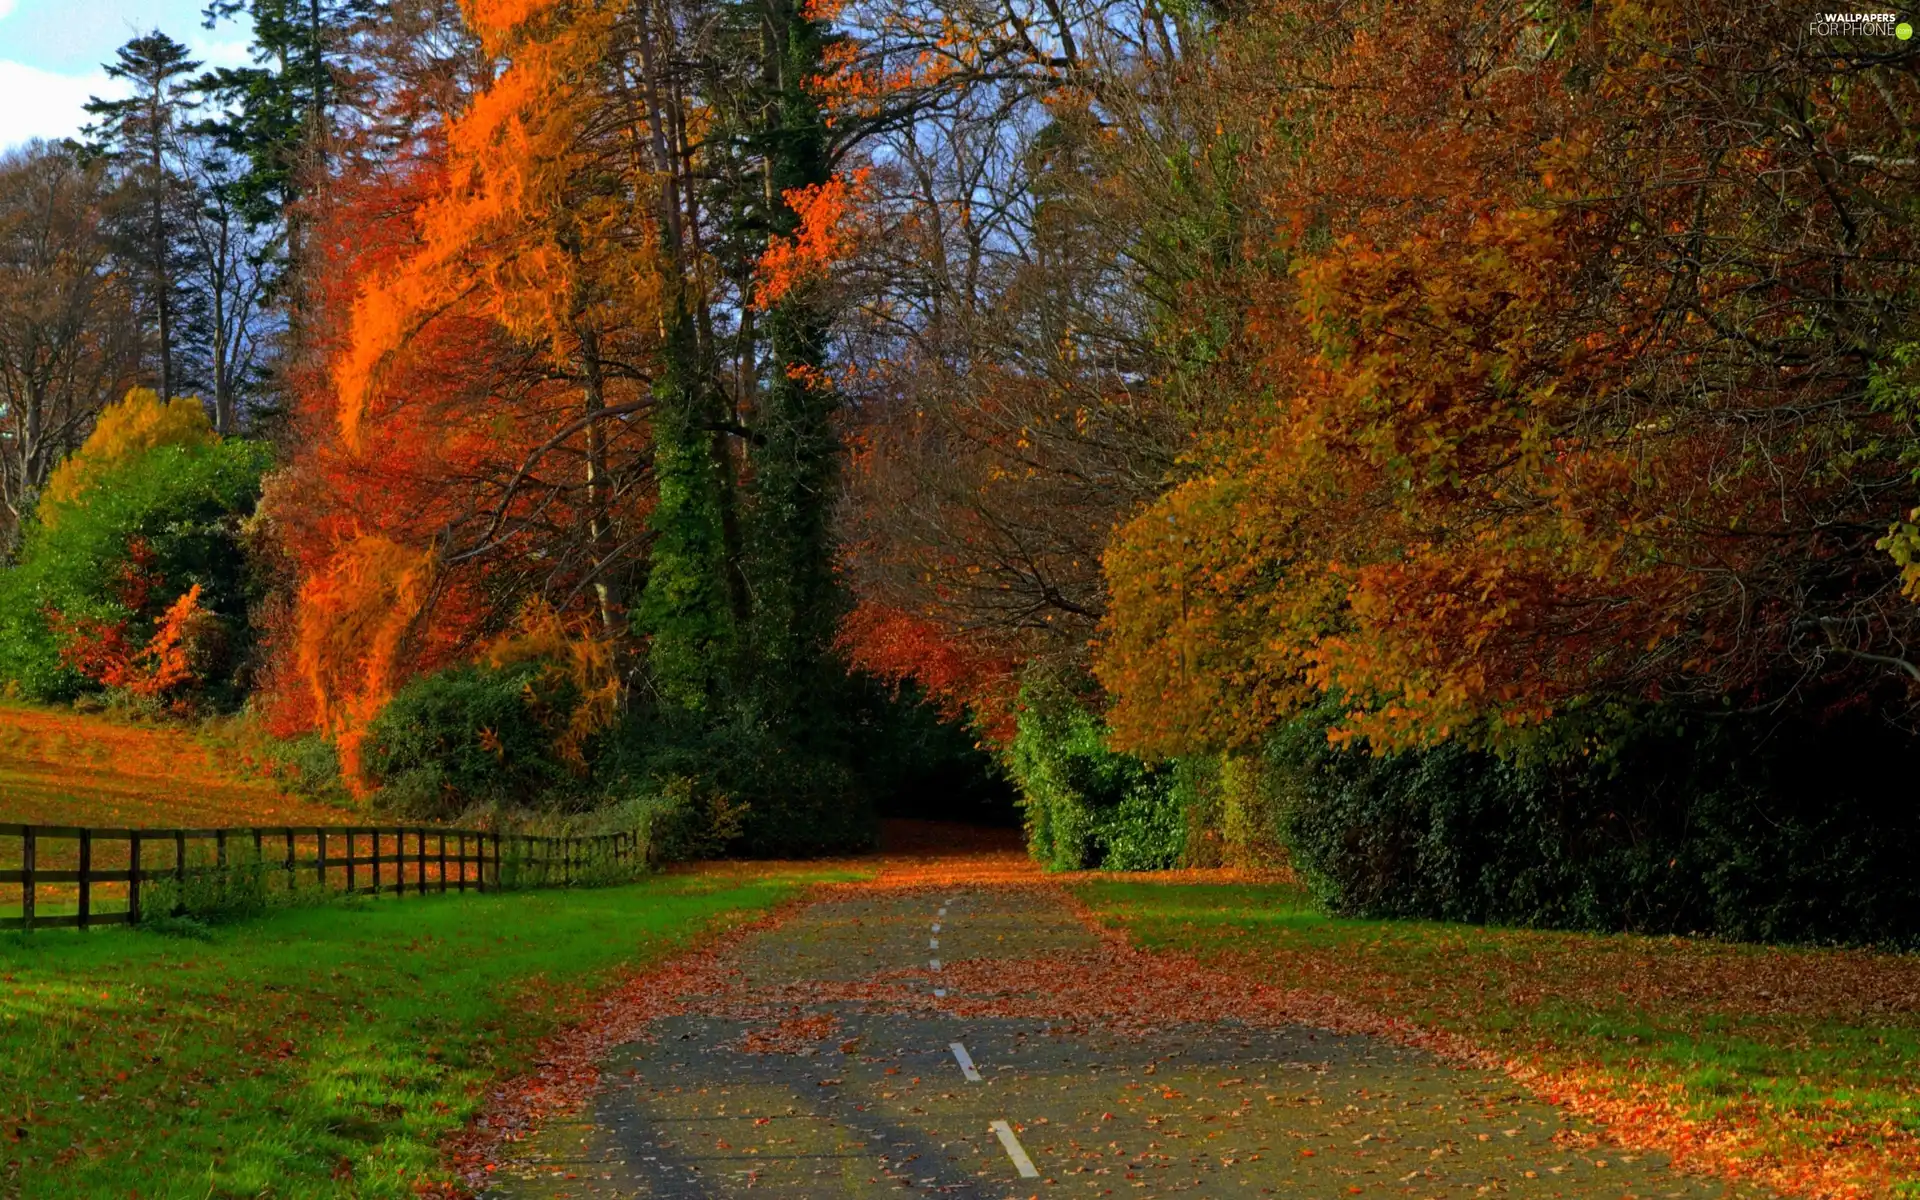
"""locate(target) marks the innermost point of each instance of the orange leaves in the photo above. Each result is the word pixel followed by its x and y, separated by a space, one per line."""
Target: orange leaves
pixel 1322 548
pixel 958 678
pixel 167 661
pixel 489 307
pixel 1530 424
pixel 353 620
pixel 100 649
pixel 515 233
pixel 575 658
pixel 825 236
pixel 496 21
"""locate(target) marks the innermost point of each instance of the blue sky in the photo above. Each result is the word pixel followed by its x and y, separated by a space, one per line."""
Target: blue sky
pixel 51 51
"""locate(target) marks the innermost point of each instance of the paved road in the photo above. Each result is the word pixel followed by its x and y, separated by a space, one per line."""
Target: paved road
pixel 826 1068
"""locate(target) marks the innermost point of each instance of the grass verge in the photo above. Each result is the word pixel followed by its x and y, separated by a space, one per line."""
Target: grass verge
pixel 315 1052
pixel 1798 1067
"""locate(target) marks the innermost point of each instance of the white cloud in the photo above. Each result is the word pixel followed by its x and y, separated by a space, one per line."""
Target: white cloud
pixel 217 52
pixel 46 104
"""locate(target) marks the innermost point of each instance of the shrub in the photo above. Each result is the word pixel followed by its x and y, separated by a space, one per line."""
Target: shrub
pixel 129 527
pixel 1742 826
pixel 246 885
pixel 796 779
pixel 463 736
pixel 1085 805
pixel 684 821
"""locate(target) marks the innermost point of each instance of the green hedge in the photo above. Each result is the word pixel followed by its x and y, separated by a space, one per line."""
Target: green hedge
pixel 1085 805
pixel 463 736
pixel 1748 827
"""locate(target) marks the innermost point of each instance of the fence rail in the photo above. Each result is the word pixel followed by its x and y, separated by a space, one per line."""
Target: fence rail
pixel 108 876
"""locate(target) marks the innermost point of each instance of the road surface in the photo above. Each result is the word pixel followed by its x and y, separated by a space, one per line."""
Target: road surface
pixel 973 1040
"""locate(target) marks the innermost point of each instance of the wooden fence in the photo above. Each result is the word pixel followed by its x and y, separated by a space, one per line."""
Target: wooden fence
pixel 75 877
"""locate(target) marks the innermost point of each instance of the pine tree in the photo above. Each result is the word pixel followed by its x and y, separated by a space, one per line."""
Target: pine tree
pixel 279 110
pixel 140 132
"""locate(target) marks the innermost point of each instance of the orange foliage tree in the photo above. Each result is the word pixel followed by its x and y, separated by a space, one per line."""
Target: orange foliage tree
pixel 1555 400
pixel 466 431
pixel 100 650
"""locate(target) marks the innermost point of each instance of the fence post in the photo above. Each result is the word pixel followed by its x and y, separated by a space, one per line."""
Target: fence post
pixel 180 870
pixel 320 860
pixel 86 878
pixel 350 860
pixel 220 849
pixel 26 880
pixel 422 879
pixel 133 877
pixel 443 862
pixel 293 882
pixel 376 862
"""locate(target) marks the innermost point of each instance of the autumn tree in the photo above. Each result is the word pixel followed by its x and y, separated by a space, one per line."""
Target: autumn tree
pixel 1042 203
pixel 1574 388
pixel 132 576
pixel 69 340
pixel 499 337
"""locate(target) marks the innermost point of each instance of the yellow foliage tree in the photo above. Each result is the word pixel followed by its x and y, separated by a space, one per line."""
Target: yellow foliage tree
pixel 136 424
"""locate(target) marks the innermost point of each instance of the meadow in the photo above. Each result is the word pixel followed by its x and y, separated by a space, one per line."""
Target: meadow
pixel 60 767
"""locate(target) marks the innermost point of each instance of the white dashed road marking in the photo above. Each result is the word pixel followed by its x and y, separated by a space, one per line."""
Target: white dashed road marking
pixel 966 1063
pixel 933 943
pixel 1015 1151
pixel 934 963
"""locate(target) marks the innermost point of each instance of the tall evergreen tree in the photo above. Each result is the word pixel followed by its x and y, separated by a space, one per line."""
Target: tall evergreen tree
pixel 140 133
pixel 277 114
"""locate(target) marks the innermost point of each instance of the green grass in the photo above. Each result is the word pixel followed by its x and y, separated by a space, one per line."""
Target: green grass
pixel 1812 1053
pixel 314 1052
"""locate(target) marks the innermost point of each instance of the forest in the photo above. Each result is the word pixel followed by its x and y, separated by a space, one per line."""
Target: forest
pixel 1465 453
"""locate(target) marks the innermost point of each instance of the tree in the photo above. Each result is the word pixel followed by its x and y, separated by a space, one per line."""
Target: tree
pixel 69 340
pixel 1577 387
pixel 504 301
pixel 278 114
pixel 139 133
pixel 1023 311
pixel 227 272
pixel 132 577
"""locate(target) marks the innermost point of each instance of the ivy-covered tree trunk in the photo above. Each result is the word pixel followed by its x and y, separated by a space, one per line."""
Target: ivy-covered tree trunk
pixel 684 613
pixel 795 466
